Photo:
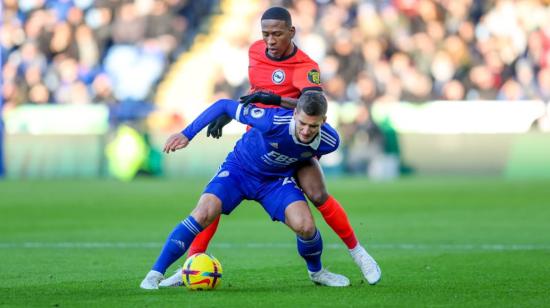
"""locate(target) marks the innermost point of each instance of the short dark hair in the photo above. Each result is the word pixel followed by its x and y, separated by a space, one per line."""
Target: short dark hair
pixel 278 13
pixel 313 103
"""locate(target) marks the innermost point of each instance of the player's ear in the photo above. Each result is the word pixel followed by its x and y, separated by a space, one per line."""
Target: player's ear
pixel 292 31
pixel 324 119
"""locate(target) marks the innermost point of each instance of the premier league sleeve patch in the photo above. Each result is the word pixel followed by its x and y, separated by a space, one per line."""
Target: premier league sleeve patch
pixel 314 77
pixel 257 113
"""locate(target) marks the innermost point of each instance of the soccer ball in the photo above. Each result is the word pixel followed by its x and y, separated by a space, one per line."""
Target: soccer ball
pixel 201 271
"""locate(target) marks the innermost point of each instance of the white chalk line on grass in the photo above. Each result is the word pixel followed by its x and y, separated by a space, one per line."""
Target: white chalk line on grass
pixel 389 246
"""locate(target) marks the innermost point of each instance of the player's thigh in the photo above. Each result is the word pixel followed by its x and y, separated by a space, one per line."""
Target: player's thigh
pixel 278 195
pixel 312 181
pixel 226 186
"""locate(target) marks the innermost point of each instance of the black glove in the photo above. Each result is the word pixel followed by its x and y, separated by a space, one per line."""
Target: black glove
pixel 261 97
pixel 215 127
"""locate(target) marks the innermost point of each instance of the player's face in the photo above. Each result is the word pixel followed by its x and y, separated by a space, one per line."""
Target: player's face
pixel 277 36
pixel 307 127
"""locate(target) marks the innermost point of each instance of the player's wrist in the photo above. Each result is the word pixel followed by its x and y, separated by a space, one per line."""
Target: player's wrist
pixel 272 99
pixel 185 133
pixel 277 100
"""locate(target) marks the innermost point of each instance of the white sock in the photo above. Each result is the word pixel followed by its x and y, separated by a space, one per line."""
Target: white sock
pixel 356 249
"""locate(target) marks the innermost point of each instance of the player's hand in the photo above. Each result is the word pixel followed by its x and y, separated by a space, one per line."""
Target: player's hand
pixel 175 142
pixel 261 97
pixel 215 127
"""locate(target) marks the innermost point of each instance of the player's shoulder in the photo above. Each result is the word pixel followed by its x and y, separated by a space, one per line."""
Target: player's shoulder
pixel 282 116
pixel 303 58
pixel 329 137
pixel 257 48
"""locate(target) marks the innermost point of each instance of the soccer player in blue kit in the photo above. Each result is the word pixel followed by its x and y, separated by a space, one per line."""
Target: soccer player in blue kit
pixel 259 168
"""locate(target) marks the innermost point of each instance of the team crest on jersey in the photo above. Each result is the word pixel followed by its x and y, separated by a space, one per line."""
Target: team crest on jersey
pixel 306 154
pixel 257 113
pixel 314 77
pixel 278 76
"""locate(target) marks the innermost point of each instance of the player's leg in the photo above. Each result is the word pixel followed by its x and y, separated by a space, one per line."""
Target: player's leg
pixel 221 195
pixel 226 186
pixel 285 202
pixel 310 245
pixel 311 179
pixel 200 244
pixel 208 208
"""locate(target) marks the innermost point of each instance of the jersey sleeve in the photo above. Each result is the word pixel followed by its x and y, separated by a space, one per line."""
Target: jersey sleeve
pixel 251 115
pixel 257 117
pixel 307 77
pixel 329 140
pixel 222 106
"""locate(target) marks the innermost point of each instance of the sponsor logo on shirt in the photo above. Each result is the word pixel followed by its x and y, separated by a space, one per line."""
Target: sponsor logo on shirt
pixel 314 77
pixel 257 113
pixel 276 157
pixel 278 76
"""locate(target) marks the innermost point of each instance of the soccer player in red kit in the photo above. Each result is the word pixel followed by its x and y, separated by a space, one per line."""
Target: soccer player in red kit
pixel 279 72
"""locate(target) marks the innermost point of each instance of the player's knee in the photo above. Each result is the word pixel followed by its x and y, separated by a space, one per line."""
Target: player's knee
pixel 201 216
pixel 208 209
pixel 318 196
pixel 306 228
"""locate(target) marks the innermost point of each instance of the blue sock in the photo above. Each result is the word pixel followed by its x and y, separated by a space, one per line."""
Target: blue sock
pixel 310 250
pixel 177 243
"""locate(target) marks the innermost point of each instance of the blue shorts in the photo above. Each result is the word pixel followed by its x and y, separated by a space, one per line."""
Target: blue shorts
pixel 232 186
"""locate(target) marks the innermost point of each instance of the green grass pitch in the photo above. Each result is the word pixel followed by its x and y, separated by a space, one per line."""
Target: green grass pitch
pixel 440 242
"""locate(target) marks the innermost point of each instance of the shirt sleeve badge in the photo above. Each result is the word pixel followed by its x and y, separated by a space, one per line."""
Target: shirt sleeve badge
pixel 314 77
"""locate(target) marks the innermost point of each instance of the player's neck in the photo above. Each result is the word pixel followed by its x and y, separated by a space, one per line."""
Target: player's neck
pixel 289 52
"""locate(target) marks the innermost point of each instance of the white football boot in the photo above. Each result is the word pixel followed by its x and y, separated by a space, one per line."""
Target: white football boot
pixel 151 281
pixel 175 280
pixel 366 263
pixel 326 278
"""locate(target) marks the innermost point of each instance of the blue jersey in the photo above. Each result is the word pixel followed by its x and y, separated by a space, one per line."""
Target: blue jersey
pixel 270 148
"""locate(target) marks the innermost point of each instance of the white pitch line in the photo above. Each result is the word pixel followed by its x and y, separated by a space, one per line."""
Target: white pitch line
pixel 390 246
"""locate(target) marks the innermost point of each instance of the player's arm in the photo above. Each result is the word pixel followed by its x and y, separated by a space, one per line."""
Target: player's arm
pixel 330 140
pixel 289 102
pixel 231 109
pixel 267 98
pixel 223 107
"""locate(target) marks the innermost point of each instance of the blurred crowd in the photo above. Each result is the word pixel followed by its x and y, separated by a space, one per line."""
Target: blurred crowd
pixel 421 50
pixel 374 51
pixel 84 51
pixel 88 52
pixel 115 52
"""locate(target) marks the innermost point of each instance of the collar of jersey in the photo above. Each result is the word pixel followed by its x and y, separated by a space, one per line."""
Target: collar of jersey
pixel 283 58
pixel 314 144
